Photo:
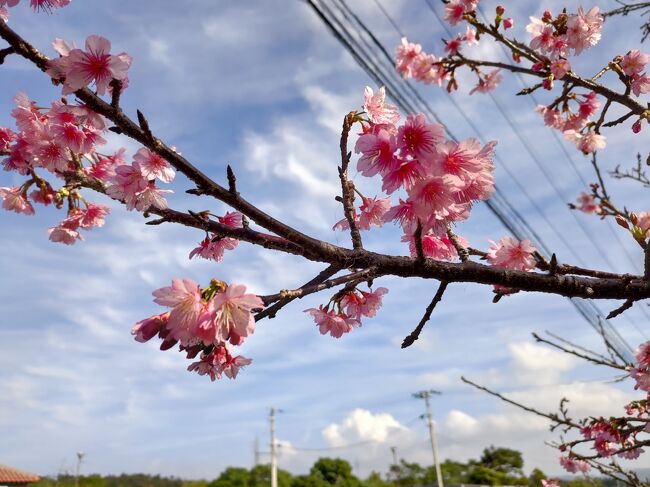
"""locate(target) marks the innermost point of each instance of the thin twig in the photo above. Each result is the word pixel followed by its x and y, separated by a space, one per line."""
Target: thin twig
pixel 415 334
pixel 347 191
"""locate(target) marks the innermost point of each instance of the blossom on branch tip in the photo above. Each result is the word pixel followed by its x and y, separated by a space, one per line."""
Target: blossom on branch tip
pixel 153 166
pixel 378 111
pixel 573 465
pixel 587 204
pixel 329 321
pixel 14 199
pixel 634 62
pixel 488 82
pixel 510 253
pixel 94 65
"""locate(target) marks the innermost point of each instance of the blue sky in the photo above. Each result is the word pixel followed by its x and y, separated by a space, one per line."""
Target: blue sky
pixel 263 86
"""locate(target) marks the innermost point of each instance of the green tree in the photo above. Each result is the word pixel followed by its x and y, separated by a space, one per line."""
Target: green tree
pixel 375 480
pixel 406 474
pixel 536 476
pixel 334 471
pixel 260 476
pixel 232 477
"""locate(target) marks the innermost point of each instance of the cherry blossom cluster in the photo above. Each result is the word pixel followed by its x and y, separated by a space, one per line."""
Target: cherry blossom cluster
pixel 554 40
pixel 617 435
pixel 441 178
pixel 62 141
pixel 213 247
pixel 345 310
pixel 203 321
pixel 46 5
pixel 576 126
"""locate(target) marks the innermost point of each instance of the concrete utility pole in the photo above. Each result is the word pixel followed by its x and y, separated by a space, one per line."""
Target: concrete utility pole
pixel 432 434
pixel 274 452
pixel 393 450
pixel 80 457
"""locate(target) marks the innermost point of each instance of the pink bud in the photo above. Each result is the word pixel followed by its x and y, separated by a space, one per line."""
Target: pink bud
pixel 548 83
pixel 636 127
pixel 547 17
pixel 501 10
pixel 508 23
pixel 538 66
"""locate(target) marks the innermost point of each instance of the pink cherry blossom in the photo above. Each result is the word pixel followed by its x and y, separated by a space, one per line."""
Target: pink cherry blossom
pixel 418 138
pixel 405 54
pixel 508 23
pixel 14 199
pixel 153 166
pixel 455 9
pixel 488 82
pixel 640 84
pixel 404 175
pixel 587 204
pixel 586 143
pixel 542 33
pixel 634 62
pixel 550 483
pixel 184 297
pixel 63 233
pixel 361 303
pixel 511 253
pixel 560 68
pixel 151 196
pixel 232 219
pixel 7 136
pixel 48 4
pixel 583 29
pixel 214 247
pixel 470 37
pixel 572 465
pixel 377 151
pixel 372 212
pixel 328 321
pixel 146 329
pixel 94 65
pixel 642 355
pixel 230 312
pixel 434 246
pixel 377 109
pixel 452 46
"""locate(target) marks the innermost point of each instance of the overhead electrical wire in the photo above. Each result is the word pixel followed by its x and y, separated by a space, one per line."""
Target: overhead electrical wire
pixel 499 204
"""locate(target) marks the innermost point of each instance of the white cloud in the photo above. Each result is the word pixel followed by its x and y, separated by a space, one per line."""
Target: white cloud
pixel 538 365
pixel 361 425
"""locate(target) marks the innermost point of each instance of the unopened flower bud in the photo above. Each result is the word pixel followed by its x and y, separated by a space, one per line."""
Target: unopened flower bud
pixel 622 222
pixel 508 23
pixel 538 66
pixel 634 218
pixel 548 83
pixel 636 127
pixel 547 17
pixel 500 10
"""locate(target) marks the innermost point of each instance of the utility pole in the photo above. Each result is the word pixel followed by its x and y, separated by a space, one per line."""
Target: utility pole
pixel 256 449
pixel 393 450
pixel 274 452
pixel 432 434
pixel 80 456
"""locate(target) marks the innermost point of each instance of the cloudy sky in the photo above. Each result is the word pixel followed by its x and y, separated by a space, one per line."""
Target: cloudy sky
pixel 263 86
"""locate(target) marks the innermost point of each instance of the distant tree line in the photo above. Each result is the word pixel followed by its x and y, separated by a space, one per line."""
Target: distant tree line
pixel 496 466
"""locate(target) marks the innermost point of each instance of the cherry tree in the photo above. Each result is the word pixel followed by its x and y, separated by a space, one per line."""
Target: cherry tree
pixel 430 184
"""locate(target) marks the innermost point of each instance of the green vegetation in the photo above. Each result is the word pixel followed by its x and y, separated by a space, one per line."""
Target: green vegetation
pixel 497 466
